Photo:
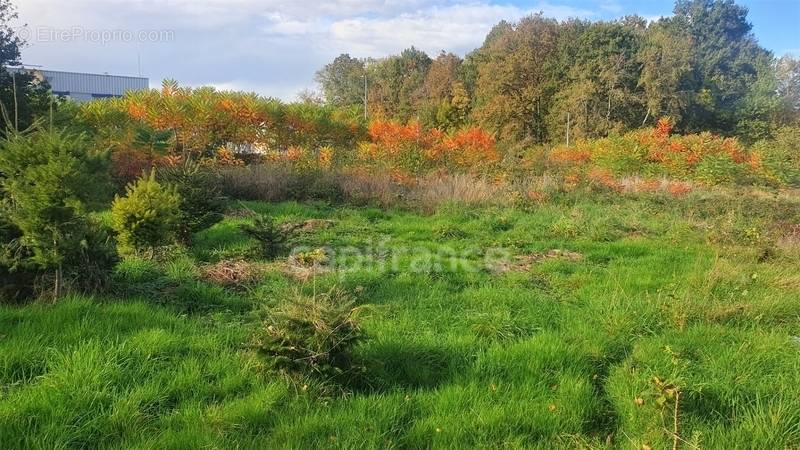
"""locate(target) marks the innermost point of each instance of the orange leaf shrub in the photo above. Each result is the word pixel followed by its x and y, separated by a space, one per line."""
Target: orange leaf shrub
pixel 570 156
pixel 294 153
pixel 703 157
pixel 325 157
pixel 201 120
pixel 414 150
pixel 663 128
pixel 223 157
pixel 470 149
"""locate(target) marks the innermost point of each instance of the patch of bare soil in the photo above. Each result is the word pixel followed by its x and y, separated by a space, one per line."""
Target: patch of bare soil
pixel 524 263
pixel 307 226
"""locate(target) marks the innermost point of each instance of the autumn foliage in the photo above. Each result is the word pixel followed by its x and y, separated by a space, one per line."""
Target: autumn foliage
pixel 215 126
pixel 704 157
pixel 413 150
pixel 223 129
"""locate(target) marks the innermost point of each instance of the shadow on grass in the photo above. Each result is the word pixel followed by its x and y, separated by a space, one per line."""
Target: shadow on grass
pixel 142 279
pixel 394 366
pixel 222 241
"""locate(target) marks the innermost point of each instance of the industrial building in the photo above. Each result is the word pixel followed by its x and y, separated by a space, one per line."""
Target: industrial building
pixel 83 87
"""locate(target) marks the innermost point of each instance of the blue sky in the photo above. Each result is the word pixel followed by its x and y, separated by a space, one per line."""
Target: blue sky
pixel 273 47
pixel 776 23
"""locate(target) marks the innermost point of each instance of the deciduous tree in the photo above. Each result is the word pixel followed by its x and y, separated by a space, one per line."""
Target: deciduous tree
pixel 342 81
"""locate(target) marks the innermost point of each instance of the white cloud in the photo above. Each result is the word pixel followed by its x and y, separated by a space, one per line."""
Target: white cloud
pixel 272 47
pixel 562 12
pixel 285 91
pixel 281 24
pixel 457 27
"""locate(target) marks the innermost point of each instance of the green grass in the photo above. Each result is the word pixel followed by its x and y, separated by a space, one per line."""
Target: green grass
pixel 562 354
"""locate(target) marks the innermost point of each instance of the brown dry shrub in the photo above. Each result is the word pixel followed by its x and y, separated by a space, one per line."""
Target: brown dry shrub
pixel 274 183
pixel 434 191
pixel 269 183
pixel 232 273
pixel 362 188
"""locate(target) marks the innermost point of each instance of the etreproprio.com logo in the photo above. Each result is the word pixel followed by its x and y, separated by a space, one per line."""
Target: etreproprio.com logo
pixel 91 35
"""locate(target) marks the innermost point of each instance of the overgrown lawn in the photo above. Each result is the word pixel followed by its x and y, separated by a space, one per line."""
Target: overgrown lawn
pixel 616 322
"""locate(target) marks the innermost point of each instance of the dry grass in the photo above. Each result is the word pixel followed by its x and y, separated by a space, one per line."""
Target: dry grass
pixel 232 273
pixel 274 183
pixel 427 193
pixel 789 237
pixel 372 188
pixel 524 263
pixel 257 182
pixel 434 191
pixel 302 273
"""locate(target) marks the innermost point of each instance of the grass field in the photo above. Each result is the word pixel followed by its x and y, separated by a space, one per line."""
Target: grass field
pixel 616 322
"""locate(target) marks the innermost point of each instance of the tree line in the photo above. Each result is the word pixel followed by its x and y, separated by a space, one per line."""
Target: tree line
pixel 534 79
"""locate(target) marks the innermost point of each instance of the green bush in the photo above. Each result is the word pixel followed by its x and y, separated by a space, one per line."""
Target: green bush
pixel 89 268
pixel 147 217
pixel 719 169
pixel 93 261
pixel 202 205
pixel 16 280
pixel 780 157
pixel 312 335
pixel 621 155
pixel 49 180
pixel 272 240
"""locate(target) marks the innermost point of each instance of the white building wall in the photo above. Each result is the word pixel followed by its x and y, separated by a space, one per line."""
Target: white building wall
pixel 101 85
pixel 83 87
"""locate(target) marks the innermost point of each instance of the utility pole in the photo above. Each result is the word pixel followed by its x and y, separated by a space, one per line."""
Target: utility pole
pixel 16 102
pixel 568 129
pixel 365 96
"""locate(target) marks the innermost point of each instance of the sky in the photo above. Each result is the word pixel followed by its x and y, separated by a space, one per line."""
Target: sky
pixel 274 47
